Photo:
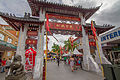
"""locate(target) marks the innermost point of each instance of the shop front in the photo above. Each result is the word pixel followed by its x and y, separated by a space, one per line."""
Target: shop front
pixel 110 41
pixel 7 50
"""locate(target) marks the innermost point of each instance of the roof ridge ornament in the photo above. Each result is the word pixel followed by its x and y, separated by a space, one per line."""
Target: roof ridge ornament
pixel 79 6
pixel 27 15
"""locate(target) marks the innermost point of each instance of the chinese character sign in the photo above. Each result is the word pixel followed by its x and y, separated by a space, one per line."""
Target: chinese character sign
pixel 30 59
pixel 64 26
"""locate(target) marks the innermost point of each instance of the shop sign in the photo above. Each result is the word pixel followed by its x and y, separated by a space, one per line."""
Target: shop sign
pixel 110 36
pixel 63 26
pixel 116 48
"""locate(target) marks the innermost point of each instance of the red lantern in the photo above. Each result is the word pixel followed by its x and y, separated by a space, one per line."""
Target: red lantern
pixel 30 59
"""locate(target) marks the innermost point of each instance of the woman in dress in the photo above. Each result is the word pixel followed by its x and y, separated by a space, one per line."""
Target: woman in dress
pixel 72 63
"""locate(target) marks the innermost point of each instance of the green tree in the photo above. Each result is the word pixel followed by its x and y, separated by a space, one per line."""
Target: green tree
pixel 68 46
pixel 56 48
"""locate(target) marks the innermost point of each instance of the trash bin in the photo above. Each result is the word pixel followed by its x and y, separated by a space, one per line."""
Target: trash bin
pixel 116 70
pixel 108 72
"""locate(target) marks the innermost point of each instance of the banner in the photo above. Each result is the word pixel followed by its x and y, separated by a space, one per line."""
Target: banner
pixel 30 59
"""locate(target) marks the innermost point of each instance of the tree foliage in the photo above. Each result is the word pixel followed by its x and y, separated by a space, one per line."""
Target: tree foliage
pixel 55 48
pixel 68 46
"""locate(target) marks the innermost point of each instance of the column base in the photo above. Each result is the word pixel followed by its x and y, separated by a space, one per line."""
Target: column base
pixel 37 74
pixel 90 64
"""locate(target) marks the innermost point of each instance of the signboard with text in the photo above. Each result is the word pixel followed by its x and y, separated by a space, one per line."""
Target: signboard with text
pixel 64 26
pixel 110 36
pixel 30 59
pixel 92 43
pixel 32 33
pixel 31 41
pixel 63 17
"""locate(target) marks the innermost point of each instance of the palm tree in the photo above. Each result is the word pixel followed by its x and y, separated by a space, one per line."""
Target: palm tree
pixel 55 48
pixel 68 46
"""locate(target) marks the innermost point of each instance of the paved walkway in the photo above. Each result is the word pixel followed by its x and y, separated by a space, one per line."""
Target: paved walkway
pixel 63 72
pixel 2 76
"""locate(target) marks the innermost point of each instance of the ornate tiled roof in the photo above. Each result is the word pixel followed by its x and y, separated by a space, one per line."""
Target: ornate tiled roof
pixel 16 22
pixel 100 26
pixel 57 8
pixel 26 17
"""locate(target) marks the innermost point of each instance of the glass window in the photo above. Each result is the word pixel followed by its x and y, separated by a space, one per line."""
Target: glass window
pixel 1 36
pixel 9 40
pixel 15 42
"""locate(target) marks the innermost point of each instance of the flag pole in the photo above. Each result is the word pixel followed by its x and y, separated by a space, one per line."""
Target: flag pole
pixel 99 56
pixel 96 40
pixel 46 55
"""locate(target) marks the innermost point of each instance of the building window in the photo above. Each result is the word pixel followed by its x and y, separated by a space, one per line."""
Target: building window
pixel 1 36
pixel 15 42
pixel 9 40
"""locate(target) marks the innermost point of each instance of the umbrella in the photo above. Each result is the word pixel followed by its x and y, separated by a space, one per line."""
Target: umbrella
pixel 76 52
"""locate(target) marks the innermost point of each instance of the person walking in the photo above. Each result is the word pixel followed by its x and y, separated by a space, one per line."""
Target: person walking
pixel 75 62
pixel 58 60
pixel 8 63
pixel 3 65
pixel 65 59
pixel 72 63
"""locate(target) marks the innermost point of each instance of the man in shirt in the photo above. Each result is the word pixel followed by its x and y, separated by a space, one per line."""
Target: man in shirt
pixel 3 65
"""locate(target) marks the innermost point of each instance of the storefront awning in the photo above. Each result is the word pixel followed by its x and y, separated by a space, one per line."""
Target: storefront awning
pixel 7 46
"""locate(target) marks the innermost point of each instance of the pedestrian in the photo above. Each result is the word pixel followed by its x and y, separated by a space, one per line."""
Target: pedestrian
pixel 3 65
pixel 65 59
pixel 75 62
pixel 81 59
pixel 8 63
pixel 51 58
pixel 58 60
pixel 54 58
pixel 72 63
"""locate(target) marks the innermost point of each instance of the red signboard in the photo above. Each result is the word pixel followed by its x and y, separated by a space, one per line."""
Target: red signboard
pixel 31 41
pixel 30 59
pixel 63 17
pixel 63 26
pixel 32 33
pixel 92 43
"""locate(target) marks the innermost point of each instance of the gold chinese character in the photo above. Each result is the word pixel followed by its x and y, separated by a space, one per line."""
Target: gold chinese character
pixel 33 41
pixel 66 26
pixel 57 25
pixel 70 26
pixel 62 26
pixel 29 41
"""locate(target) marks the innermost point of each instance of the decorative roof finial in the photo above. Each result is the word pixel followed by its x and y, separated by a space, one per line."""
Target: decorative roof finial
pixel 25 14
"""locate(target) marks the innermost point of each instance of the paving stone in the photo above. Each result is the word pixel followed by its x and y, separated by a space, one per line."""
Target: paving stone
pixel 63 72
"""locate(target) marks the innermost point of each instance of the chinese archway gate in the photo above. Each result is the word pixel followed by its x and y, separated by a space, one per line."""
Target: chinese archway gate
pixel 63 19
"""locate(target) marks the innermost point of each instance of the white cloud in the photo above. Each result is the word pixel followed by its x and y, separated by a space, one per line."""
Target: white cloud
pixel 18 7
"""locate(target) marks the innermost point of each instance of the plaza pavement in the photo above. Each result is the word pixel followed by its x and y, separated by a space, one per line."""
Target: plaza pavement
pixel 2 76
pixel 63 72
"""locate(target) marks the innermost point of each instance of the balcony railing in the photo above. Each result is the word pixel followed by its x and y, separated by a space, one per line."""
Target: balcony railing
pixel 7 44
